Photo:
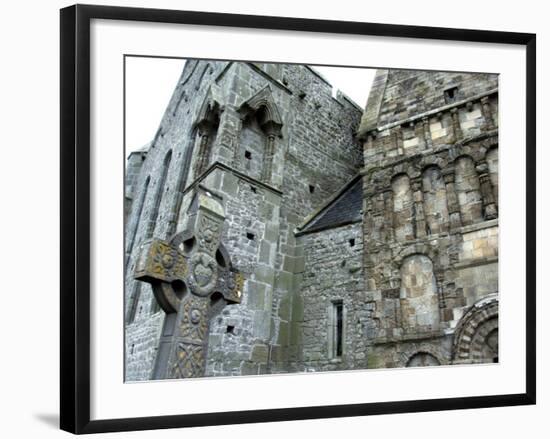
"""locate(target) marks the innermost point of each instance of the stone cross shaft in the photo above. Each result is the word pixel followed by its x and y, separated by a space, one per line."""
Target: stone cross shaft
pixel 192 280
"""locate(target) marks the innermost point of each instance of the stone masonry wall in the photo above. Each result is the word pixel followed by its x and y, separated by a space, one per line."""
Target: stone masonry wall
pixel 430 216
pixel 133 170
pixel 398 95
pixel 333 272
pixel 274 143
pixel 322 156
pixel 209 125
pixel 175 134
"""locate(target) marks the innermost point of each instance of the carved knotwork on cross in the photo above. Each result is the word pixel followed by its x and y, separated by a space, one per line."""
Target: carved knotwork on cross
pixel 192 280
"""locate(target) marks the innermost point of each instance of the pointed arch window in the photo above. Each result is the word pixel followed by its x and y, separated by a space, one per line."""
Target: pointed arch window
pixel 137 217
pixel 262 125
pixel 207 126
pixel 158 195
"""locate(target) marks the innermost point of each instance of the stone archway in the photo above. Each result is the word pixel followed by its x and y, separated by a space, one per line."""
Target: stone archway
pixel 423 359
pixel 476 336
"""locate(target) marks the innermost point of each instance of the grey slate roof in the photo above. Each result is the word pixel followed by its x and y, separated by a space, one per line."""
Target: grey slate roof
pixel 345 208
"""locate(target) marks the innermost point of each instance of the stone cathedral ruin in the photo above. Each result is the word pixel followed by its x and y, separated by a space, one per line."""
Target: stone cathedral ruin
pixel 275 227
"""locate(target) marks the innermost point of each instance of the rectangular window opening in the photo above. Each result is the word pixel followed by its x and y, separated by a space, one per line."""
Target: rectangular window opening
pixel 450 94
pixel 338 329
pixel 248 155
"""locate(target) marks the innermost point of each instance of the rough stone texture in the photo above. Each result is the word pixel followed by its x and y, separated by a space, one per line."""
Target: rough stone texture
pixel 391 225
pixel 398 95
pixel 430 216
pixel 133 169
pixel 344 208
pixel 274 144
pixel 333 272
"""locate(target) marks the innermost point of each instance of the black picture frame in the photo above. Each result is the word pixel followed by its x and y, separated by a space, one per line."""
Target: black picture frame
pixel 75 217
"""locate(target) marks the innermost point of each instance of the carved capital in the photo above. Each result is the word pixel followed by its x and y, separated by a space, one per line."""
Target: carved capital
pixel 448 176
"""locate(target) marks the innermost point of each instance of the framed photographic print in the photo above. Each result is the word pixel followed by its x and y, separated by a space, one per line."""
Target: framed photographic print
pixel 271 218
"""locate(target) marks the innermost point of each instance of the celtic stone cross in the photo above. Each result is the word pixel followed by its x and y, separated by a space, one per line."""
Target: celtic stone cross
pixel 192 280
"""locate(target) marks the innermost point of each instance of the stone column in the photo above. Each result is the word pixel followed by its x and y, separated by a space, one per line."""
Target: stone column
pixel 457 131
pixel 204 150
pixel 399 140
pixel 427 133
pixel 272 130
pixel 378 215
pixel 452 200
pixel 487 194
pixel 439 279
pixel 388 215
pixel 268 158
pixel 487 113
pixel 418 198
pixel 236 158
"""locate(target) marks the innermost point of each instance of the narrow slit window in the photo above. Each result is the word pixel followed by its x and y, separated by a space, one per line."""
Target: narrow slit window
pixel 248 155
pixel 311 188
pixel 337 329
pixel 339 321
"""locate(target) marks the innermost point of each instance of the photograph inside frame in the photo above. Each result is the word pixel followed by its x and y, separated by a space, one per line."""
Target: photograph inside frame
pixel 276 224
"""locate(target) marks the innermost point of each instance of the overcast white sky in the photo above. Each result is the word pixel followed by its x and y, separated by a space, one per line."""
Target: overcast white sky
pixel 150 83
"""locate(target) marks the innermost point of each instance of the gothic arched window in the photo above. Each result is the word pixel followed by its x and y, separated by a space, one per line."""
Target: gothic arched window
pixel 262 125
pixel 158 195
pixel 137 217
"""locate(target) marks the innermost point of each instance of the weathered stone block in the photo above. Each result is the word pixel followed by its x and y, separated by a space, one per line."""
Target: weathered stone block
pixel 259 353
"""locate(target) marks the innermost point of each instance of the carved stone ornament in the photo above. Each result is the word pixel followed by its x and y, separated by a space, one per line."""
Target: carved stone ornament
pixel 184 281
pixel 476 336
pixel 204 273
pixel 263 105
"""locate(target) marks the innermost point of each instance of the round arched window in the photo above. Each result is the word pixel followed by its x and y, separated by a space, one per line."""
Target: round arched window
pixel 422 359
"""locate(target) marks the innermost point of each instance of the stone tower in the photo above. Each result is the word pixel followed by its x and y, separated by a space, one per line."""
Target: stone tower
pixel 430 218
